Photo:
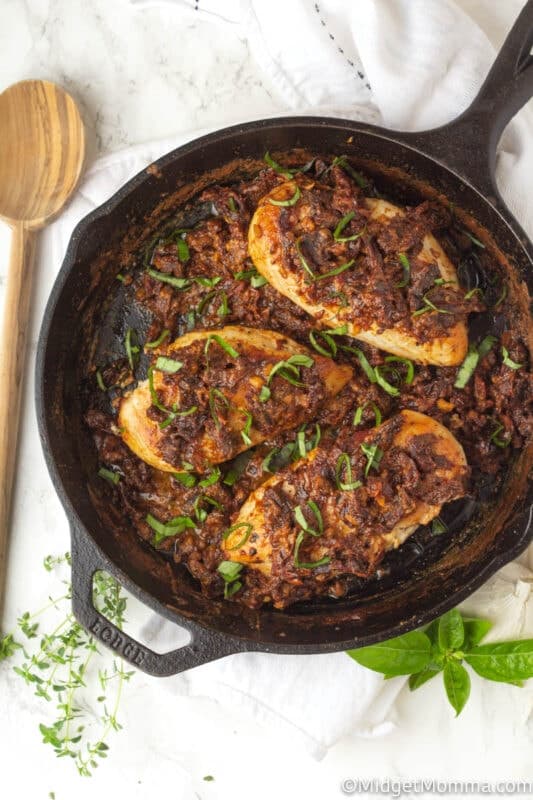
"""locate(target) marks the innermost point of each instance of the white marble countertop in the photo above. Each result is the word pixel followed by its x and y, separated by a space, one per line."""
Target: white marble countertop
pixel 140 75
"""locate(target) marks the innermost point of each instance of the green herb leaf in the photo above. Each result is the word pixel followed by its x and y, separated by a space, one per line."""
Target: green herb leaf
pixel 289 369
pixel 403 655
pixel 509 361
pixel 358 416
pixel 303 523
pixel 457 684
pixel 473 239
pixel 388 387
pixel 475 631
pixel 285 172
pixel 160 339
pixel 438 526
pixel 341 226
pixel 264 394
pixel 164 364
pixel 363 361
pixel 162 277
pixel 307 564
pixel 418 679
pixel 344 465
pixel 245 433
pixel 373 455
pixel 451 631
pixel 303 260
pixel 496 438
pixel 131 344
pixel 468 367
pixel 408 363
pixel 221 343
pixel 404 261
pixel 212 478
pixel 183 250
pixel 342 161
pixel 100 381
pixel 216 397
pixel 290 202
pixel 503 661
pixel 256 280
pixel 108 475
pixel 335 271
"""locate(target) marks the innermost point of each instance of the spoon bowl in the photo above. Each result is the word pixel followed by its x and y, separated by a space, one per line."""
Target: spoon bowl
pixel 42 151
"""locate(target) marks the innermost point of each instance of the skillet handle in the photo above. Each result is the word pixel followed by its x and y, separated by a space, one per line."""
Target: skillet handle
pixel 467 144
pixel 204 645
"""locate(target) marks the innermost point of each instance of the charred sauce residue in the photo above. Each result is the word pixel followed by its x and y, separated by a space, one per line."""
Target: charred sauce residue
pixel 490 416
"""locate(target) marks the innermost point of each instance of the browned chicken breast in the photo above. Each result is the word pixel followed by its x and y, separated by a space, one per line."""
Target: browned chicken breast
pixel 340 509
pixel 213 394
pixel 362 272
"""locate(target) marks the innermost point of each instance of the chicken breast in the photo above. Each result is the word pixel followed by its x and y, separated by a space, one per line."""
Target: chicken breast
pixel 215 393
pixel 347 281
pixel 340 509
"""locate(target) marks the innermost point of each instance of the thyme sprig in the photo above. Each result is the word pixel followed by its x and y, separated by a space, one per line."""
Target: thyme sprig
pixel 64 665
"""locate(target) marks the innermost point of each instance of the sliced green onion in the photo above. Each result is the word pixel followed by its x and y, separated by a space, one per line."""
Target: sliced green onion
pixel 300 443
pixel 160 339
pixel 344 464
pixel 230 571
pixel 174 526
pixel 100 381
pixel 358 416
pixel 247 427
pixel 290 202
pixel 199 512
pixel 131 344
pixel 203 280
pixel 185 478
pixel 409 364
pixel 214 396
pixel 486 345
pixel 302 522
pixel 177 283
pixel 212 478
pixel 264 394
pixel 164 364
pixel 373 456
pixel 438 526
pixel 248 531
pixel 108 475
pixel 221 343
pixel 404 261
pixel 286 173
pixel 509 361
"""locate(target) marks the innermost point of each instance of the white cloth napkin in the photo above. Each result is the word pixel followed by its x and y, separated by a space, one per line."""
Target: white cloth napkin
pixel 406 64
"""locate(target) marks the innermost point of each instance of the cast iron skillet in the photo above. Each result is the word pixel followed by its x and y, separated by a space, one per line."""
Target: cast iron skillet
pixel 455 161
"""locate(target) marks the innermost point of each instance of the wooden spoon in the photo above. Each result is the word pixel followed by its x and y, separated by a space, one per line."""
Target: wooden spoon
pixel 42 149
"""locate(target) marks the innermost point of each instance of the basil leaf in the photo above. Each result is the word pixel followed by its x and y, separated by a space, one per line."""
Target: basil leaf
pixel 160 339
pixel 420 678
pixel 451 631
pixel 163 277
pixel 475 631
pixel 185 478
pixel 403 655
pixel 285 172
pixel 221 343
pixel 509 361
pixel 406 265
pixel 504 661
pixel 457 685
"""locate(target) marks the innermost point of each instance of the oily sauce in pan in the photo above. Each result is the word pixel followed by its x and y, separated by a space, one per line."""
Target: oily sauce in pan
pixel 197 275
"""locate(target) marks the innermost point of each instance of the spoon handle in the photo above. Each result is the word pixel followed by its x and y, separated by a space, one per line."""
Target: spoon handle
pixel 12 351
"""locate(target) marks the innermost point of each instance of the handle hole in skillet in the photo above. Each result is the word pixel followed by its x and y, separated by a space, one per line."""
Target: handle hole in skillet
pixel 140 622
